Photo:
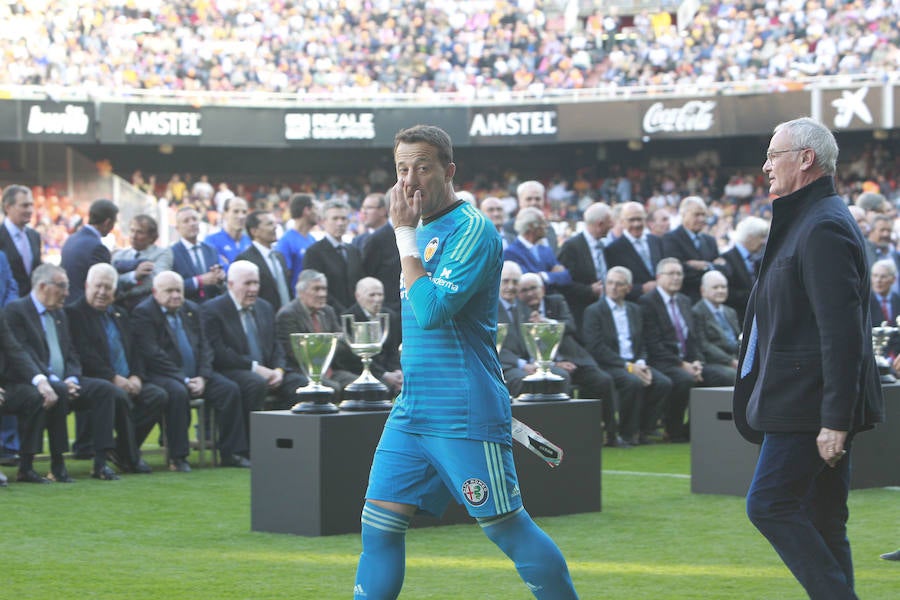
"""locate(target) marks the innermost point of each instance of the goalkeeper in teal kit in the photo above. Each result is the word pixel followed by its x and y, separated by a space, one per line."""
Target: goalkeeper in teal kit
pixel 448 436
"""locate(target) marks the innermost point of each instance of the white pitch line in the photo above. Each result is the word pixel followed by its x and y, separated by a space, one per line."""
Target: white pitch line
pixel 647 474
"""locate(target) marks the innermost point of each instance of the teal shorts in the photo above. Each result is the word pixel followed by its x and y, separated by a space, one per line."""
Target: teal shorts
pixel 427 471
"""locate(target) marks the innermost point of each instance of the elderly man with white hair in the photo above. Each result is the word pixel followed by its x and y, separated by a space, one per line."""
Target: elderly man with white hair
pixel 530 194
pixel 742 261
pixel 241 330
pixel 584 255
pixel 717 324
pixel 369 304
pixel 533 256
pixel 697 251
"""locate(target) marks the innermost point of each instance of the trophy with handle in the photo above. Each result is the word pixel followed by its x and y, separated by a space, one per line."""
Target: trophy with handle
pixel 542 340
pixel 314 352
pixel 366 339
pixel 881 335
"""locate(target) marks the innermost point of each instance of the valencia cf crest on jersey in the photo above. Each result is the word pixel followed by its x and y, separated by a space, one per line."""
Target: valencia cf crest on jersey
pixel 431 248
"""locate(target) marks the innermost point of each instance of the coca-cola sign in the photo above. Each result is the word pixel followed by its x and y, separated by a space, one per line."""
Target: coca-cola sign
pixel 694 115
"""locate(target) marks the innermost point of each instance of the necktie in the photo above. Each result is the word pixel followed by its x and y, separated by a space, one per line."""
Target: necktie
pixel 252 334
pixel 188 363
pixel 536 253
pixel 511 313
pixel 198 260
pixel 116 350
pixel 24 249
pixel 57 362
pixel 342 251
pixel 278 274
pixel 137 255
pixel 696 241
pixel 676 321
pixel 316 325
pixel 886 309
pixel 750 356
pixel 641 246
pixel 726 326
pixel 601 262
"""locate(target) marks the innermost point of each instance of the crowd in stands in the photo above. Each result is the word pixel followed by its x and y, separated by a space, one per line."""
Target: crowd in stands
pixel 360 48
pixel 143 330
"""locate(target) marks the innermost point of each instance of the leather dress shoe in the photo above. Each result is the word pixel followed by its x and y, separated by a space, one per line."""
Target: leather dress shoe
pixel 179 465
pixel 104 473
pixel 895 555
pixel 30 476
pixel 141 467
pixel 60 476
pixel 236 460
pixel 3 480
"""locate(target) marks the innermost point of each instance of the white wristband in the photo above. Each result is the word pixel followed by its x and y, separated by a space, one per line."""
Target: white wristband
pixel 406 241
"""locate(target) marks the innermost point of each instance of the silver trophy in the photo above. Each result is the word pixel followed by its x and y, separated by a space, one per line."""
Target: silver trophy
pixel 542 340
pixel 366 339
pixel 502 330
pixel 881 335
pixel 314 352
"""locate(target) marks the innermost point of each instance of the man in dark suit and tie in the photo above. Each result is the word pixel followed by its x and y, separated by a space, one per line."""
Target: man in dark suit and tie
pixel 241 330
pixel 381 260
pixel 717 326
pixel 340 263
pixel 309 312
pixel 613 330
pixel 697 251
pixel 274 277
pixel 197 262
pixel 42 328
pixel 742 261
pixel 107 351
pixel 672 346
pixel 636 250
pixel 85 247
pixel 373 215
pixel 385 365
pixel 584 256
pixel 807 380
pixel 177 356
pixel 17 371
pixel 571 356
pixel 20 243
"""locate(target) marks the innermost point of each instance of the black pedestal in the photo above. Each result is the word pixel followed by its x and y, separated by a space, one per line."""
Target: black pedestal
pixel 310 472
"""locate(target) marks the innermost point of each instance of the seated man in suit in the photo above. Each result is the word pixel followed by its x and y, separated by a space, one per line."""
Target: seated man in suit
pixel 309 312
pixel 42 328
pixel 274 277
pixel 140 263
pixel 532 253
pixel 25 400
pixel 717 326
pixel 107 350
pixel 636 250
pixel 177 356
pixel 369 303
pixel 85 247
pixel 613 330
pixel 340 263
pixel 742 261
pixel 884 305
pixel 196 262
pixel 530 194
pixel 672 346
pixel 571 356
pixel 697 251
pixel 241 331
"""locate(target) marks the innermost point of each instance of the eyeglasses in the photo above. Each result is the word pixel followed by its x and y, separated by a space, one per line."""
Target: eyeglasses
pixel 771 154
pixel 616 283
pixel 672 273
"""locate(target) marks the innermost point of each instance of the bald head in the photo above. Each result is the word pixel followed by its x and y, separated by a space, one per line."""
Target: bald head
pixel 714 287
pixel 370 295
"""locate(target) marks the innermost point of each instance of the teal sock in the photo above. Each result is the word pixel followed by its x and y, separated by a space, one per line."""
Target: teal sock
pixel 382 564
pixel 537 558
